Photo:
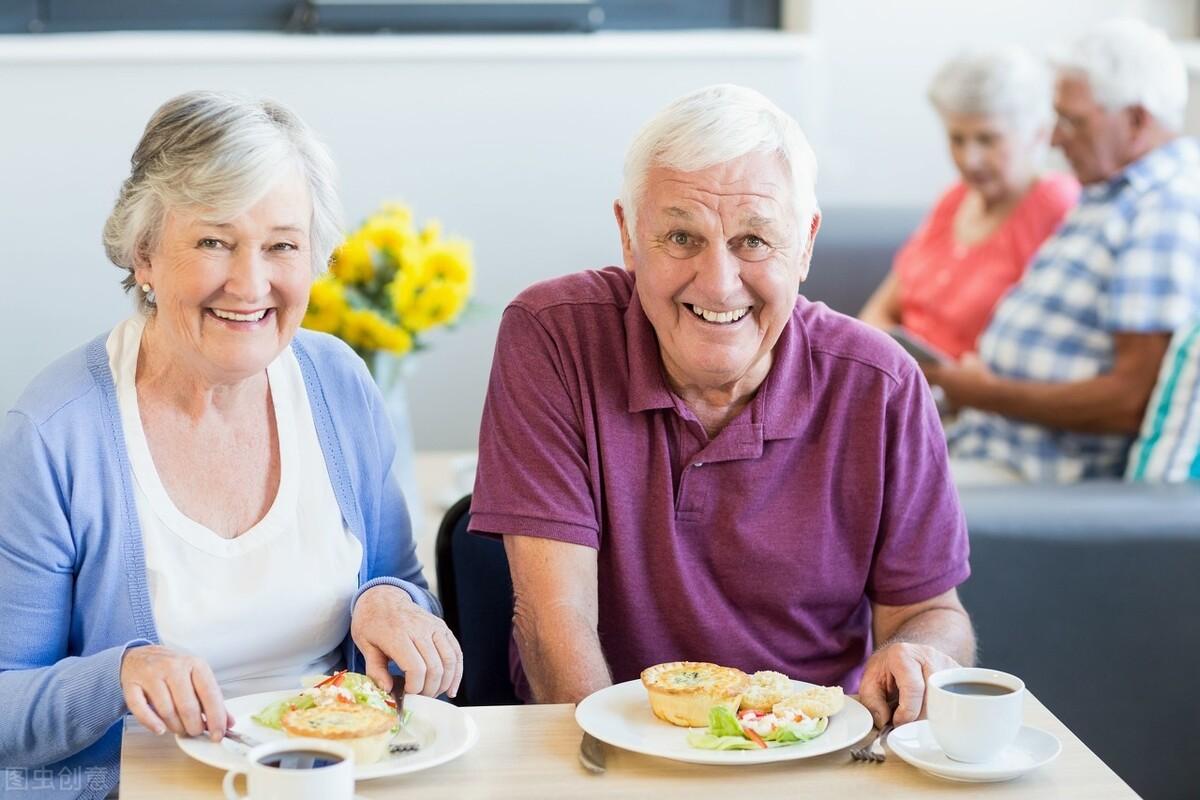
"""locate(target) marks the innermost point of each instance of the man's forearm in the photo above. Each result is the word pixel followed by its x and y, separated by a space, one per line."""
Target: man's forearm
pixel 946 629
pixel 1105 404
pixel 561 655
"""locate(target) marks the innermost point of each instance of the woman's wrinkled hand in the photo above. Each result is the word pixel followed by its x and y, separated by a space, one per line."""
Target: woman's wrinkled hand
pixel 895 677
pixel 170 691
pixel 387 624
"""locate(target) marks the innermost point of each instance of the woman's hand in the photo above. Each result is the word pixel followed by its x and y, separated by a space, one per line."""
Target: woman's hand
pixel 387 624
pixel 166 690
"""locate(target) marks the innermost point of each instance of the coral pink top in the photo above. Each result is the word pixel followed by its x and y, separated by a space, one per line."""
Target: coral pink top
pixel 948 290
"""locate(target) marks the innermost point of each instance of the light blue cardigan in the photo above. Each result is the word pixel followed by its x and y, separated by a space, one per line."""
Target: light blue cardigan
pixel 73 590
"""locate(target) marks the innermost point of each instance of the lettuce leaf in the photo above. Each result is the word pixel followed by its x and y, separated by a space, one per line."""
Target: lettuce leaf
pixel 722 722
pixel 706 741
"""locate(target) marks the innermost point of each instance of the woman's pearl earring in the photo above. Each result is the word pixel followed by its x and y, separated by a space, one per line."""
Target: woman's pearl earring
pixel 146 288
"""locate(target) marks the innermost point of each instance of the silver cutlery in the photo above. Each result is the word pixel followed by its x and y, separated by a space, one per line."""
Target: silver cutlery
pixel 245 741
pixel 873 752
pixel 241 738
pixel 403 740
pixel 591 754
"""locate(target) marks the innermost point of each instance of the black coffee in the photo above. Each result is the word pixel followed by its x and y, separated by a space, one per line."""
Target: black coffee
pixel 300 759
pixel 975 687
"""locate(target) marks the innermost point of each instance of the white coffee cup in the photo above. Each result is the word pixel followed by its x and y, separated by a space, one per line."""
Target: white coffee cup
pixel 970 721
pixel 293 769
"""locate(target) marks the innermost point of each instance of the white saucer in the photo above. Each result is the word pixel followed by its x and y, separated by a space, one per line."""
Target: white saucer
pixel 1033 748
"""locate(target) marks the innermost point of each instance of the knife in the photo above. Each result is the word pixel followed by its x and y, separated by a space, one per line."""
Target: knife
pixel 591 754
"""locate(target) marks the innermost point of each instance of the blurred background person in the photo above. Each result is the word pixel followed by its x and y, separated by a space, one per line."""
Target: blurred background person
pixel 981 233
pixel 1067 365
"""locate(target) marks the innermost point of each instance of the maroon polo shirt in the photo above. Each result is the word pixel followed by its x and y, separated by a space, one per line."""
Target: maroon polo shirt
pixel 761 548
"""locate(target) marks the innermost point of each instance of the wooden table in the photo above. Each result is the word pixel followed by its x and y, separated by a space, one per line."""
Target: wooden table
pixel 530 752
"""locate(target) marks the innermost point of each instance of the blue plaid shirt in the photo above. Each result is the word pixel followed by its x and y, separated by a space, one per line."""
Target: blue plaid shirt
pixel 1126 260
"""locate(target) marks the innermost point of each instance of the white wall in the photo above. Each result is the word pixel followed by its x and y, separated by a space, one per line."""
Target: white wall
pixel 882 143
pixel 514 142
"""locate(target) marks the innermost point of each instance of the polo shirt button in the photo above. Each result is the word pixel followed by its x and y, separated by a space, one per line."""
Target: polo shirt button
pixel 698 464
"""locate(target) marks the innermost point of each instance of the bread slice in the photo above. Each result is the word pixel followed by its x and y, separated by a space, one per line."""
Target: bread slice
pixel 365 729
pixel 766 689
pixel 683 692
pixel 815 701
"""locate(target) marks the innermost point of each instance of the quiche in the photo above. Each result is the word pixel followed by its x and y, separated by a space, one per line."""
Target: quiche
pixel 365 729
pixel 683 692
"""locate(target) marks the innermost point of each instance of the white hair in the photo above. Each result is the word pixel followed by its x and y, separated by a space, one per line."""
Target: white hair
pixel 711 126
pixel 1129 63
pixel 221 153
pixel 1007 84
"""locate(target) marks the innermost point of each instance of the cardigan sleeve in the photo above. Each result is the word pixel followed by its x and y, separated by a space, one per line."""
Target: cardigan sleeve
pixel 55 703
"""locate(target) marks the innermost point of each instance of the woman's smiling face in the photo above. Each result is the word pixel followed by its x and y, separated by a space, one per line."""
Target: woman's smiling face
pixel 230 295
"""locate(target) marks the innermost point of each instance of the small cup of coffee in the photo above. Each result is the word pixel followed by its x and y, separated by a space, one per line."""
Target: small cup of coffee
pixel 974 713
pixel 292 770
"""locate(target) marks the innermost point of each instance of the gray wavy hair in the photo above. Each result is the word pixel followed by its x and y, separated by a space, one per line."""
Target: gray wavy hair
pixel 219 152
pixel 711 126
pixel 1126 63
pixel 1007 84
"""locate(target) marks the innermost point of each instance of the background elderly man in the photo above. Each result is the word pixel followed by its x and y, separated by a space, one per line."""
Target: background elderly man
pixel 687 460
pixel 1068 363
pixel 978 239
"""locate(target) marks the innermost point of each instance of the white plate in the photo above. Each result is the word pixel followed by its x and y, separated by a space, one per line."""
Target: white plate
pixel 620 715
pixel 1033 748
pixel 445 733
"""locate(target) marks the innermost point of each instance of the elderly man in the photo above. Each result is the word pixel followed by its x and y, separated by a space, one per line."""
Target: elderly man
pixel 1067 365
pixel 688 461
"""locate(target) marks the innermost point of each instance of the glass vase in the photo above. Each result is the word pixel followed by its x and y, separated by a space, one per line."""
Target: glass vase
pixel 392 375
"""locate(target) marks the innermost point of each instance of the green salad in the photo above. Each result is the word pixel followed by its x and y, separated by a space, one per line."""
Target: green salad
pixel 752 730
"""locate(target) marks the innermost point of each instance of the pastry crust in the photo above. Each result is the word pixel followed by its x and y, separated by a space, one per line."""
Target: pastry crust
pixel 683 692
pixel 366 730
pixel 766 689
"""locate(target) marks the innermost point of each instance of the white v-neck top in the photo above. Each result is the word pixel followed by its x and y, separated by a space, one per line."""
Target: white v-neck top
pixel 273 603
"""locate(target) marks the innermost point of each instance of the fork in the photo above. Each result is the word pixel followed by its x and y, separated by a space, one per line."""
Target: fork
pixel 874 751
pixel 403 740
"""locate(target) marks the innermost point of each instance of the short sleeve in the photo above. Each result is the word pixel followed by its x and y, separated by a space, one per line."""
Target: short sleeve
pixel 922 548
pixel 1156 281
pixel 534 476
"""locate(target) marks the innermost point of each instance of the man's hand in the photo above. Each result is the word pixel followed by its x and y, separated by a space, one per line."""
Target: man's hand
pixel 963 381
pixel 387 624
pixel 170 691
pixel 895 676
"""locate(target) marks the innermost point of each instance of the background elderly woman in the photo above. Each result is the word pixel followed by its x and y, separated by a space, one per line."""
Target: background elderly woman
pixel 981 234
pixel 192 504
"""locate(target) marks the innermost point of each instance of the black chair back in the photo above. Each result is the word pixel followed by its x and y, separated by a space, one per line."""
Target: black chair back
pixel 476 593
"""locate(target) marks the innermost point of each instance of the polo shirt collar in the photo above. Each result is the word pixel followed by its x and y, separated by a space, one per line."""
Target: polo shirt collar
pixel 783 402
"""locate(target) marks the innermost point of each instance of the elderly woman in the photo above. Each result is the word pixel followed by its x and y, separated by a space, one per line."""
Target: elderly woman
pixel 200 503
pixel 976 242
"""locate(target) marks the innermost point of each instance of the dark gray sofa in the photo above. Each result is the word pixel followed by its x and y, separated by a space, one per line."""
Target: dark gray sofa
pixel 1091 593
